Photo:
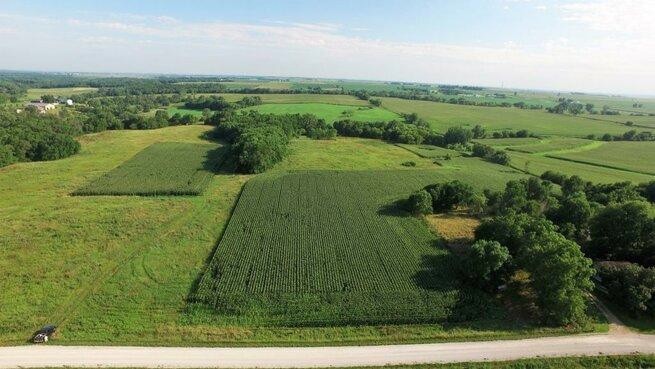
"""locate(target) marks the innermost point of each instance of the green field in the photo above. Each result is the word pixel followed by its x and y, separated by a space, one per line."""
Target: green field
pixel 430 151
pixel 554 144
pixel 299 99
pixel 329 248
pixel 169 168
pixel 536 164
pixel 441 116
pixel 329 112
pixel 636 157
pixel 182 111
pixel 505 142
pixel 36 93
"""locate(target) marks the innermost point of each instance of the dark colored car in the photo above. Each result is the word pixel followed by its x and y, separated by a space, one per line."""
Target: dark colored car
pixel 43 334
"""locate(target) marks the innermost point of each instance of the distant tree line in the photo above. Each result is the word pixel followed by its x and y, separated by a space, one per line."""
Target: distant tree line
pixel 631 135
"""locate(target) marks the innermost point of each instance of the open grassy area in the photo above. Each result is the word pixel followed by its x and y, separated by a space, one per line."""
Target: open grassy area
pixel 36 93
pixel 441 116
pixel 329 112
pixel 166 168
pixel 430 151
pixel 636 157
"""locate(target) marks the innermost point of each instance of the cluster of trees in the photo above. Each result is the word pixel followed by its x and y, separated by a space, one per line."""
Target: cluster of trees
pixel 489 153
pixel 522 133
pixel 37 137
pixel 440 197
pixel 259 141
pixel 570 106
pixel 412 130
pixel 631 135
pixel 551 233
pixel 629 284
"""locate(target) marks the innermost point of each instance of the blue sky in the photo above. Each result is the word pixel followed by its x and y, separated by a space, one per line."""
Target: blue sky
pixel 604 45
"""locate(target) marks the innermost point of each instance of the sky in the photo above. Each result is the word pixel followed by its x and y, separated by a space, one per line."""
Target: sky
pixel 568 45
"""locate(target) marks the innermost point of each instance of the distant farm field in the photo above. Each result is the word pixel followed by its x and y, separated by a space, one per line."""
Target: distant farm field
pixel 441 116
pixel 630 156
pixel 179 110
pixel 36 93
pixel 168 168
pixel 537 164
pixel 331 248
pixel 298 98
pixel 508 141
pixel 554 144
pixel 329 112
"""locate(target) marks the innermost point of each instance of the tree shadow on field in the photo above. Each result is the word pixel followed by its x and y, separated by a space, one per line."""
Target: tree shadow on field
pixel 438 271
pixel 395 209
pixel 219 161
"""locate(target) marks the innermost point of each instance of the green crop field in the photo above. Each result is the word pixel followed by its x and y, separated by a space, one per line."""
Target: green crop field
pixel 329 112
pixel 555 144
pixel 505 142
pixel 441 116
pixel 329 248
pixel 168 168
pixel 636 157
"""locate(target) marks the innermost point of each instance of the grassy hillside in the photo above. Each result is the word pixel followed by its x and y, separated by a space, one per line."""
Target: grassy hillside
pixel 636 157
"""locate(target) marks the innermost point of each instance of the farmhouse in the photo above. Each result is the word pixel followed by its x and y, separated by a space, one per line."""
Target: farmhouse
pixel 41 106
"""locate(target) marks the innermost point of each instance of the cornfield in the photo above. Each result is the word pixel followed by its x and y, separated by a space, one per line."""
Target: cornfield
pixel 167 168
pixel 328 247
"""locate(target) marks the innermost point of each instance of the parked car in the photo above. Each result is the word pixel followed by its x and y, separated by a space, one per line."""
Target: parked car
pixel 43 334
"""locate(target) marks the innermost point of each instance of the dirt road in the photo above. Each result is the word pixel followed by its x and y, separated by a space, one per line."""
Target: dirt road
pixel 189 357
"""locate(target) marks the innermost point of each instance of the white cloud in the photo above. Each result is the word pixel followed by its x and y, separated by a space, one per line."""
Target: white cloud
pixel 624 16
pixel 133 43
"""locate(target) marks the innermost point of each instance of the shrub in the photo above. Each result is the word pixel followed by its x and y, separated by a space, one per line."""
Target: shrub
pixel 449 195
pixel 258 149
pixel 6 155
pixel 409 164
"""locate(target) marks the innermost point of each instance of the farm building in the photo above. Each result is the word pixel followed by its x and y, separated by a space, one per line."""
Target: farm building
pixel 42 107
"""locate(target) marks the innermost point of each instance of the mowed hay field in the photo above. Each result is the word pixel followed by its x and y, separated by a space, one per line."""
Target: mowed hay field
pixel 329 112
pixel 636 157
pixel 166 168
pixel 332 248
pixel 441 116
pixel 555 144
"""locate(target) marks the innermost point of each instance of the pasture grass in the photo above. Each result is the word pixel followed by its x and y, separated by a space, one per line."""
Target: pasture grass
pixel 638 157
pixel 165 168
pixel 430 151
pixel 505 142
pixel 453 228
pixel 329 112
pixel 555 144
pixel 441 116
